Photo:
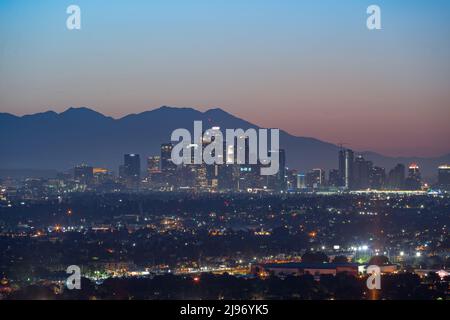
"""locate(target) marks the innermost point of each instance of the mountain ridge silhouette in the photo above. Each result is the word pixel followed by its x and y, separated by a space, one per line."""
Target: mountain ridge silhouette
pixel 50 140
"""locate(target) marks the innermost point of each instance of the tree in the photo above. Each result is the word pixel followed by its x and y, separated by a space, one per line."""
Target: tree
pixel 340 259
pixel 379 260
pixel 314 257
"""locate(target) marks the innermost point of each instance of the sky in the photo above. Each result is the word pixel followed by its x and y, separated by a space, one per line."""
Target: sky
pixel 309 67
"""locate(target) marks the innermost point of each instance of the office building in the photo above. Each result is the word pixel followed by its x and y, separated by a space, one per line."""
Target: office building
pixel 377 178
pixel 414 179
pixel 131 171
pixel 315 179
pixel 361 174
pixel 396 179
pixel 346 164
pixel 83 174
pixel 444 177
pixel 166 158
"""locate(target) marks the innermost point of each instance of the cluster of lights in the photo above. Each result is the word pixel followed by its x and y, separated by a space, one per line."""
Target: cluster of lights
pixel 360 248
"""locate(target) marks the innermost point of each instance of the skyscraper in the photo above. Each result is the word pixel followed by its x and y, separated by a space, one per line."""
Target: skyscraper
pixel 362 169
pixel 131 170
pixel 301 181
pixel 166 158
pixel 396 179
pixel 444 177
pixel 377 178
pixel 341 168
pixel 334 178
pixel 153 164
pixel 315 179
pixel 346 164
pixel 414 180
pixel 281 176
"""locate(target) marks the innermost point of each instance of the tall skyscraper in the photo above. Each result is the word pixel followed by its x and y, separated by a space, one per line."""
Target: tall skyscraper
pixel 166 158
pixel 131 170
pixel 281 176
pixel 444 177
pixel 341 168
pixel 396 179
pixel 414 180
pixel 377 178
pixel 346 164
pixel 361 174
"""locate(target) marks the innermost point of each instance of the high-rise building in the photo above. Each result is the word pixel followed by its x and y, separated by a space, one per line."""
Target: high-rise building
pixel 153 164
pixel 444 177
pixel 201 177
pixel 396 179
pixel 301 181
pixel 83 174
pixel 225 177
pixel 102 176
pixel 315 179
pixel 131 170
pixel 166 158
pixel 361 174
pixel 346 164
pixel 291 179
pixel 377 178
pixel 341 168
pixel 281 176
pixel 334 178
pixel 414 180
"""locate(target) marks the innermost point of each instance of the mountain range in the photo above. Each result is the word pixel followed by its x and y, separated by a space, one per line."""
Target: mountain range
pixel 59 141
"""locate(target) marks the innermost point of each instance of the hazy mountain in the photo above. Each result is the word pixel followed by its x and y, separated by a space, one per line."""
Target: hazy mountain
pixel 80 135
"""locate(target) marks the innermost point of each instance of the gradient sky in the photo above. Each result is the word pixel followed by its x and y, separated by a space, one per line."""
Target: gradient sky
pixel 310 67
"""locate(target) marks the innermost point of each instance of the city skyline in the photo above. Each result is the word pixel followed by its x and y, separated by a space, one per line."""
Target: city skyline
pixel 224 158
pixel 300 66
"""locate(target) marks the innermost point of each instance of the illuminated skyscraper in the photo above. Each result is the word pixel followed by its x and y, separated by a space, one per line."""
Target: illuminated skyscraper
pixel 346 164
pixel 414 180
pixel 444 177
pixel 154 164
pixel 166 158
pixel 301 181
pixel 131 170
pixel 315 179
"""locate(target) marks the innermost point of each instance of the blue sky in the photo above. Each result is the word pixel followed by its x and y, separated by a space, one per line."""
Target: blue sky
pixel 310 67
